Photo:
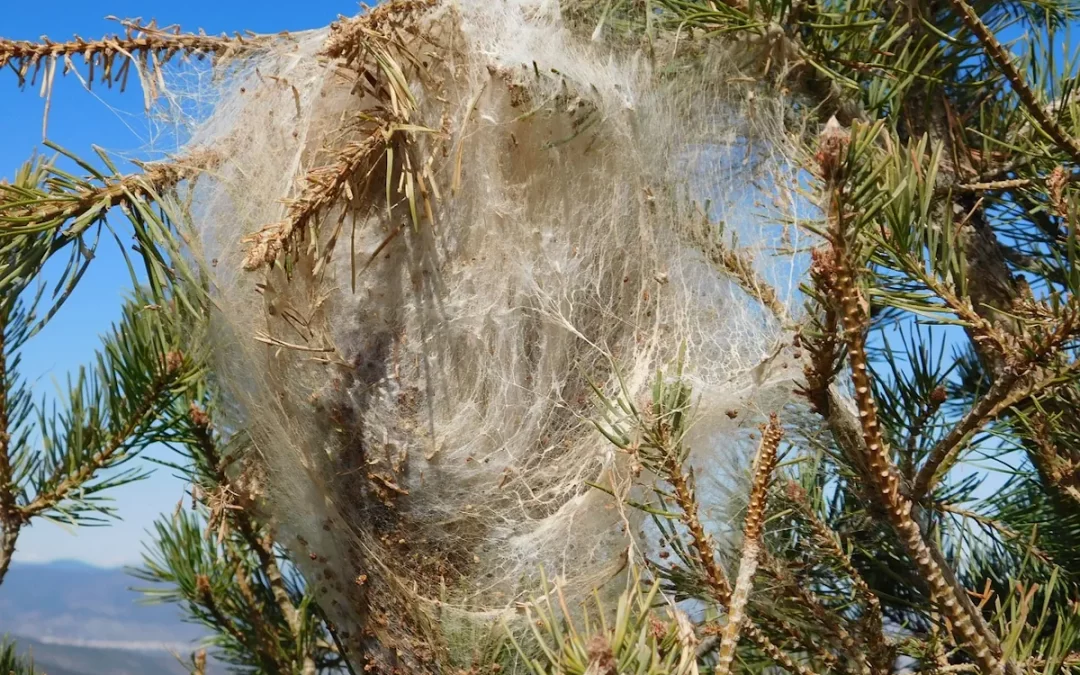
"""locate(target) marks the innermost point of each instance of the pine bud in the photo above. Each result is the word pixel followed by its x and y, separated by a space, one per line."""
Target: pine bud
pixel 198 416
pixel 173 361
pixel 202 585
pixel 1056 182
pixel 832 147
pixel 938 396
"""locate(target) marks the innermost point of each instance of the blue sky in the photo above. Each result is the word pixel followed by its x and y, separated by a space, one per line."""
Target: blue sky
pixel 113 121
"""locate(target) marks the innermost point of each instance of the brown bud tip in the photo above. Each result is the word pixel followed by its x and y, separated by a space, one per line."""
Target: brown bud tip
pixel 795 492
pixel 939 395
pixel 173 361
pixel 601 658
pixel 832 147
pixel 1056 182
pixel 657 627
pixel 198 416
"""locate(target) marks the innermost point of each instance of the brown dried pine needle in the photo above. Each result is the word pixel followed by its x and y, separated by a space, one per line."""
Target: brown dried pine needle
pixel 147 44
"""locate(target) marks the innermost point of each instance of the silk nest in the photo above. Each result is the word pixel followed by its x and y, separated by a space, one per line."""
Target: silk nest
pixel 519 202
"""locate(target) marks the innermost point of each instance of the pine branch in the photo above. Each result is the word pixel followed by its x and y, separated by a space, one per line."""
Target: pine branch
pixel 142 48
pixel 877 465
pixel 206 597
pixel 1009 184
pixel 773 652
pixel 265 637
pixel 918 427
pixel 62 198
pixel 999 527
pixel 242 520
pixel 322 188
pixel 143 45
pixel 944 449
pixel 661 450
pixel 831 541
pixel 829 621
pixel 110 409
pixel 220 588
pixel 60 486
pixel 1060 473
pixel 992 186
pixel 884 476
pixel 369 42
pixel 764 463
pixel 1001 58
pixel 739 266
pixel 1002 394
pixel 700 541
pixel 348 37
pixel 9 516
pixel 373 44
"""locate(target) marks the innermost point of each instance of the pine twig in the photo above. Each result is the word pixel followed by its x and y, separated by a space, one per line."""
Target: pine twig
pixel 830 621
pixel 146 43
pixel 764 463
pixel 142 48
pixel 50 210
pixel 242 521
pixel 252 611
pixel 715 576
pixel 71 483
pixel 1003 394
pixel 830 540
pixel 773 652
pixel 323 186
pixel 823 345
pixel 999 527
pixel 917 428
pixel 1061 474
pixel 700 541
pixel 740 267
pixel 372 36
pixel 870 453
pixel 994 186
pixel 1001 58
pixel 8 540
pixel 703 551
pixel 9 515
pixel 976 417
pixel 206 596
pixel 884 476
pixel 348 36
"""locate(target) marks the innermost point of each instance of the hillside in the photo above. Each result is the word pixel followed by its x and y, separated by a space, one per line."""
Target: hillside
pixel 82 620
pixel 57 659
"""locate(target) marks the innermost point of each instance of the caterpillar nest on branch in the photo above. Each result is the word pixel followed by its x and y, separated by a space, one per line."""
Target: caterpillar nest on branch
pixel 433 226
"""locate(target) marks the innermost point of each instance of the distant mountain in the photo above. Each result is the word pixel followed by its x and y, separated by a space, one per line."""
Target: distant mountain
pixel 54 659
pixel 85 620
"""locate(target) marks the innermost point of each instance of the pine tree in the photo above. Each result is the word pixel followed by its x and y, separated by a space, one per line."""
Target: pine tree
pixel 919 512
